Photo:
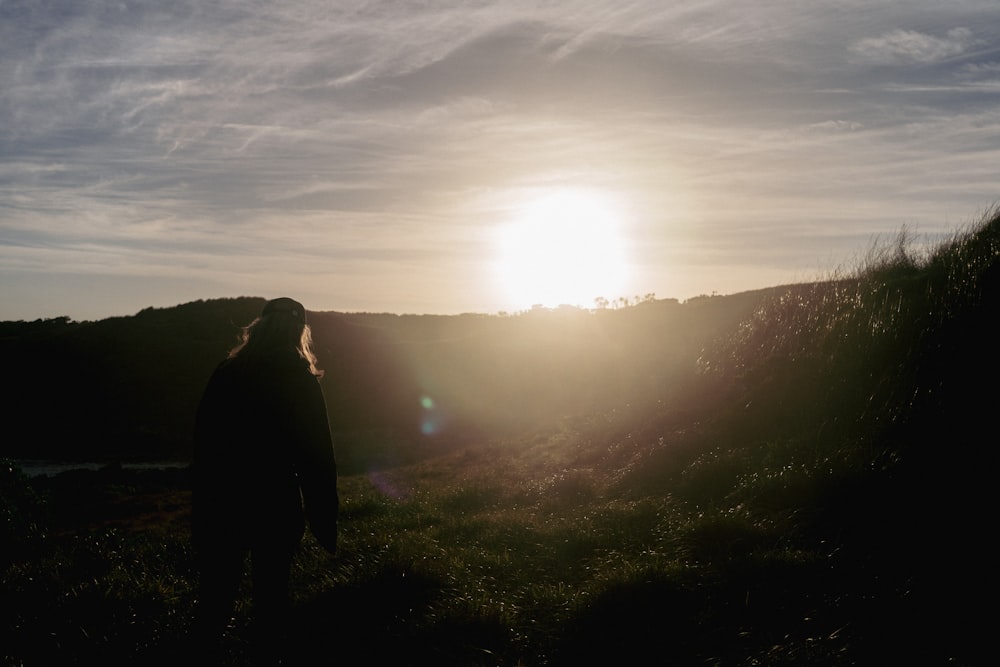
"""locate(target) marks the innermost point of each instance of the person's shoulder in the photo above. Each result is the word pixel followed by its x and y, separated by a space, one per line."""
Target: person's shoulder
pixel 225 365
pixel 275 364
pixel 229 367
pixel 291 364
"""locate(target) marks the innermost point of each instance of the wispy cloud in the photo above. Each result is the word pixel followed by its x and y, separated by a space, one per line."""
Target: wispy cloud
pixel 909 46
pixel 364 151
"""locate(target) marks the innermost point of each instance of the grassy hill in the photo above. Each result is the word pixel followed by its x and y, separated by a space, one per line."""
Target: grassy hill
pixel 796 476
pixel 397 386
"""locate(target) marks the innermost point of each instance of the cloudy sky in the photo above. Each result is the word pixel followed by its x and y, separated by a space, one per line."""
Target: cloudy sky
pixel 369 155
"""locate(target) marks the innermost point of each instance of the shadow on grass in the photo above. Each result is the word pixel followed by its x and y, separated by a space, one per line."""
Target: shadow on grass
pixel 396 617
pixel 640 622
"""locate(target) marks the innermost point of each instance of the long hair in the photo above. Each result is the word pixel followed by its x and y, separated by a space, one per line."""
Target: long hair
pixel 276 331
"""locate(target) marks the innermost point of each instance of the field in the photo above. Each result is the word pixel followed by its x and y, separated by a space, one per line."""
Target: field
pixel 814 489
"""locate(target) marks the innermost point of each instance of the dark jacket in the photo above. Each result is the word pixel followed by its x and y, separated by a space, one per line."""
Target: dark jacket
pixel 262 447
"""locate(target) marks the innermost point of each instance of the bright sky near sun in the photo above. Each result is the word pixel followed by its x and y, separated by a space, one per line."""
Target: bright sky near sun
pixel 461 156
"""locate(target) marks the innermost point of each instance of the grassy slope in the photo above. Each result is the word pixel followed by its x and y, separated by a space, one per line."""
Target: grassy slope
pixel 818 492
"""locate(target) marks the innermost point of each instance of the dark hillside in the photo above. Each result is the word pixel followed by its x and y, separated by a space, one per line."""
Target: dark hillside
pixel 852 421
pixel 124 387
pixel 398 387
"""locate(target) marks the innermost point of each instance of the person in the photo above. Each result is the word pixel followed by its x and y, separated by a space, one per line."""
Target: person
pixel 264 464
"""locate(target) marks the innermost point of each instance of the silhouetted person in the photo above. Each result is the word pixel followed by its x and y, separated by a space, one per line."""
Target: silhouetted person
pixel 263 464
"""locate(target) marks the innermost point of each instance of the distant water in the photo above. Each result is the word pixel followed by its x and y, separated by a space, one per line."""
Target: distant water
pixel 35 468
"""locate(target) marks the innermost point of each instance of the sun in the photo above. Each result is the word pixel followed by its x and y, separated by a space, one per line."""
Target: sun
pixel 562 247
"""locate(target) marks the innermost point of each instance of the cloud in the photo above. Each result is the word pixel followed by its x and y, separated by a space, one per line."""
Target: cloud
pixel 375 143
pixel 903 47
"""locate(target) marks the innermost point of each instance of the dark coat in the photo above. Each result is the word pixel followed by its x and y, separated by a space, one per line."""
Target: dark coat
pixel 262 448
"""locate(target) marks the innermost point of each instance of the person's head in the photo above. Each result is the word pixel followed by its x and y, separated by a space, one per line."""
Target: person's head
pixel 281 325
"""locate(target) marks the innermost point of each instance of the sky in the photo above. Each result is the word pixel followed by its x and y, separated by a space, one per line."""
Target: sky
pixel 376 155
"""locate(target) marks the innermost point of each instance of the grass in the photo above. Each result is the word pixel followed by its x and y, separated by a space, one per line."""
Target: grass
pixel 817 492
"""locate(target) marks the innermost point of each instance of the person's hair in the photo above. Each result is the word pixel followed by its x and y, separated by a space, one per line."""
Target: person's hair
pixel 275 331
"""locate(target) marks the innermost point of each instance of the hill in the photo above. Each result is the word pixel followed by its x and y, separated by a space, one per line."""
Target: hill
pixel 397 386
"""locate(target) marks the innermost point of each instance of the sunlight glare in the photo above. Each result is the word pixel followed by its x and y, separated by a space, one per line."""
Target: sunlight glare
pixel 564 247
